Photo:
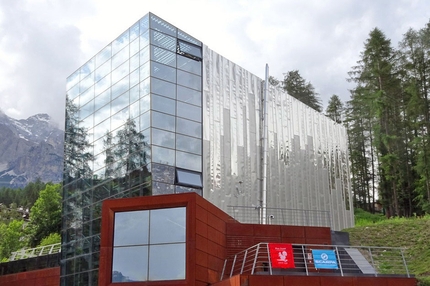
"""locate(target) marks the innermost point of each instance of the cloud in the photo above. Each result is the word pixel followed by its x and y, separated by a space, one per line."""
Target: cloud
pixel 38 49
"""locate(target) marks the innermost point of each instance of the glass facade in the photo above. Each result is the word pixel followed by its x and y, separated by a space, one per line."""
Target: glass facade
pixel 156 112
pixel 133 123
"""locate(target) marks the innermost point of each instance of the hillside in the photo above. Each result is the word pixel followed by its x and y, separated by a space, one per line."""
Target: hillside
pixel 412 233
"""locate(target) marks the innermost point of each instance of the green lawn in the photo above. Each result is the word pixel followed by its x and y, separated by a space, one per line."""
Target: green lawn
pixel 411 233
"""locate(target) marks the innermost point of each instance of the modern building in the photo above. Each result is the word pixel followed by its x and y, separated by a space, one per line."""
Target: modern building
pixel 157 112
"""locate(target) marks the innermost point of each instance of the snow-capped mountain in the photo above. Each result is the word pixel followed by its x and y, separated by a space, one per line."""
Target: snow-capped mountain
pixel 29 149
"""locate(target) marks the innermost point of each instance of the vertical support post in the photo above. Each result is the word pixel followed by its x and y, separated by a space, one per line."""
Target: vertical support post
pixel 373 263
pixel 404 262
pixel 304 259
pixel 223 269
pixel 244 259
pixel 265 150
pixel 338 259
pixel 232 265
pixel 255 259
pixel 270 261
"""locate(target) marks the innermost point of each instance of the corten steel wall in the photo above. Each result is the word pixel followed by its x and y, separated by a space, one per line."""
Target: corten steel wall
pixel 290 280
pixel 45 277
pixel 205 237
pixel 308 153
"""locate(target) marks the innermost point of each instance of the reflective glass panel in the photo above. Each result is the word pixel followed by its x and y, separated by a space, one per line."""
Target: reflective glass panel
pixel 119 103
pixel 131 228
pixel 161 25
pixel 103 70
pixel 167 262
pixel 72 80
pixel 189 178
pixel 163 104
pixel 120 57
pixel 188 127
pixel 163 72
pixel 163 121
pixel 85 83
pixel 102 99
pixel 134 78
pixel 134 62
pixel 144 121
pixel 163 56
pixel 145 103
pixel 163 40
pixel 134 31
pixel 163 155
pixel 144 71
pixel 189 80
pixel 144 87
pixel 125 269
pixel 189 65
pixel 189 161
pixel 120 72
pixel 184 36
pixel 102 85
pixel 103 55
pixel 188 144
pixel 189 111
pixel 163 88
pixel 163 138
pixel 144 24
pixel 144 41
pixel 120 87
pixel 120 42
pixel 190 49
pixel 167 225
pixel 86 96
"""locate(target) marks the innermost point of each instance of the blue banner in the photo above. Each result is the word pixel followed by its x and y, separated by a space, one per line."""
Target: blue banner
pixel 324 259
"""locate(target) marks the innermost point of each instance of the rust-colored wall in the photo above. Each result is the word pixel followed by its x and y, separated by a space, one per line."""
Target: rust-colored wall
pixel 43 277
pixel 264 280
pixel 242 236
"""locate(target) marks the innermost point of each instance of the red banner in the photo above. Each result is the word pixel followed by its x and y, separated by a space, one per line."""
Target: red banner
pixel 281 255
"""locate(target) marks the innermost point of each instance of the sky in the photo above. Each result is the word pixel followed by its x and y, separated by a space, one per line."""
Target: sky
pixel 42 42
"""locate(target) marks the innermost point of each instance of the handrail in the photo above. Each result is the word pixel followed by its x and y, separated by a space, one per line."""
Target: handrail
pixel 36 251
pixel 351 261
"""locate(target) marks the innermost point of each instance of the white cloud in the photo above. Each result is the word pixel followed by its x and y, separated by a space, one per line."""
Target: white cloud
pixel 45 41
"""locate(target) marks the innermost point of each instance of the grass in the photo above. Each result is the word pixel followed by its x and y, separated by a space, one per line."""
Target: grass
pixel 411 233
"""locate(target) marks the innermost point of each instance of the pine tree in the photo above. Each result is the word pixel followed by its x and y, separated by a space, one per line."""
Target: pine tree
pixel 297 87
pixel 334 109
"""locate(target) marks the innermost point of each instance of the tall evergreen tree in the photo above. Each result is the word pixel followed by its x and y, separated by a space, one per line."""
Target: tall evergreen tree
pixel 297 87
pixel 334 109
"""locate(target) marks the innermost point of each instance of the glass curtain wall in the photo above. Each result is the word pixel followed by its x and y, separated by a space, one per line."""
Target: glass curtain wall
pixel 133 128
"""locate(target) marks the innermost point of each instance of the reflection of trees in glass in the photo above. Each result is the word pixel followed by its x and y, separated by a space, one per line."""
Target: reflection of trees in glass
pixel 76 156
pixel 110 155
pixel 130 152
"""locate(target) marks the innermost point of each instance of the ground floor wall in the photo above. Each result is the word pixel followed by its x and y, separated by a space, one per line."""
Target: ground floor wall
pixel 45 277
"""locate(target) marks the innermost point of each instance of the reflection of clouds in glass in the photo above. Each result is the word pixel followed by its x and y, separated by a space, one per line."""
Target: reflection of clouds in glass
pixel 188 144
pixel 102 85
pixel 167 225
pixel 131 262
pixel 189 161
pixel 131 228
pixel 72 80
pixel 85 83
pixel 189 80
pixel 120 57
pixel 120 72
pixel 119 103
pixel 101 114
pixel 163 155
pixel 163 138
pixel 120 87
pixel 103 70
pixel 120 42
pixel 101 129
pixel 102 99
pixel 167 262
pixel 189 111
pixel 188 127
pixel 119 119
pixel 103 55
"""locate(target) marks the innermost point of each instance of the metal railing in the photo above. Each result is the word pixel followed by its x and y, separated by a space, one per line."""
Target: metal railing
pixel 281 216
pixel 351 260
pixel 34 252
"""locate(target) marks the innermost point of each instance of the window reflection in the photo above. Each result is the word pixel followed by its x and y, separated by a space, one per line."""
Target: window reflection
pixel 149 245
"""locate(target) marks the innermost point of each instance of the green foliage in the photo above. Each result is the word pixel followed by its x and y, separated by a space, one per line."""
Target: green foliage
pixel 363 218
pixel 53 238
pixel 297 87
pixel 334 109
pixel 411 233
pixel 12 238
pixel 45 215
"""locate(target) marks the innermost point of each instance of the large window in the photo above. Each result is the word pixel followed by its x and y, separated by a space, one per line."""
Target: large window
pixel 149 245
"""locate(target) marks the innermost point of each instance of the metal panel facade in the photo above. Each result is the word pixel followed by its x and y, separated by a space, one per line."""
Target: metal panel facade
pixel 308 153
